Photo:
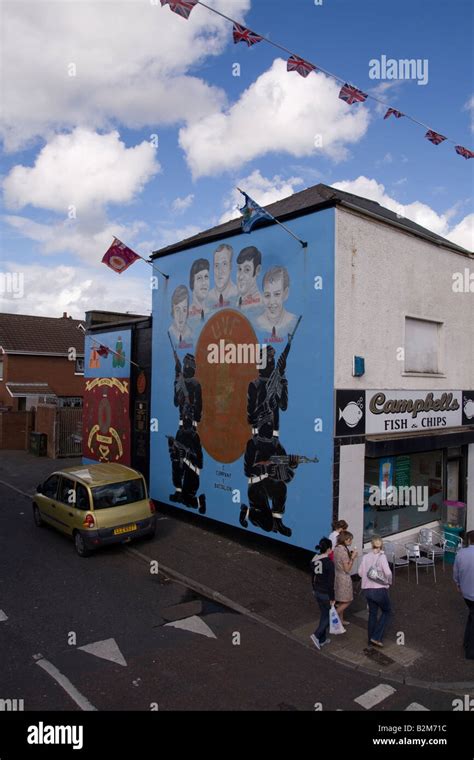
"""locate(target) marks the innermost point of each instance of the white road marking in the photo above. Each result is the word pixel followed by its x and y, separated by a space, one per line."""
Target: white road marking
pixel 107 650
pixel 417 706
pixel 375 695
pixel 66 684
pixel 195 625
pixel 3 616
pixel 18 490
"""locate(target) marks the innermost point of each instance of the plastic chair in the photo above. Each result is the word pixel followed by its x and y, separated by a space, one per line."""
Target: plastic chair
pixel 432 543
pixel 414 555
pixel 394 553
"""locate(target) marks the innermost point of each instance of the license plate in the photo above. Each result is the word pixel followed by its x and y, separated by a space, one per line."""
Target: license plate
pixel 125 529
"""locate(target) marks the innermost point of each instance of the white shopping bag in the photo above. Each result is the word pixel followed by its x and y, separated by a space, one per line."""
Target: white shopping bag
pixel 335 625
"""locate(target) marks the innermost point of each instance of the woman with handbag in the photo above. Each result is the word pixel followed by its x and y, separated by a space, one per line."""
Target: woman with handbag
pixel 376 578
pixel 344 560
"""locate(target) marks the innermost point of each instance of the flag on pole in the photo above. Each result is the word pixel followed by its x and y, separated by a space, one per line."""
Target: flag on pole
pixel 351 94
pixel 464 151
pixel 103 351
pixel 242 34
pixel 434 137
pixel 119 257
pixel 252 212
pixel 394 112
pixel 181 7
pixel 300 65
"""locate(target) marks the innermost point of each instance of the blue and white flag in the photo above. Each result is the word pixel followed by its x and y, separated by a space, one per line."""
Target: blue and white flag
pixel 252 212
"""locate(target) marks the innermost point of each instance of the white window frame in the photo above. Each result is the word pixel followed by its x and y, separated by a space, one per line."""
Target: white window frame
pixel 441 339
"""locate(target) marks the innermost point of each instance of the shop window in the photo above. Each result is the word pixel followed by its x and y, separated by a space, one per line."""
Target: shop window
pixel 402 493
pixel 422 340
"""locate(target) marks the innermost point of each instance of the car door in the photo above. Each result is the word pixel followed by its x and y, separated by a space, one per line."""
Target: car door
pixel 80 507
pixel 65 504
pixel 46 499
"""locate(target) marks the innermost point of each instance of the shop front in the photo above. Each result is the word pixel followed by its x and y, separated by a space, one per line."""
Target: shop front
pixel 413 448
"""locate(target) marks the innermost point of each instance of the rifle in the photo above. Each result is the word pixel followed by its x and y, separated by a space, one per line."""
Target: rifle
pixel 179 371
pixel 274 381
pixel 285 459
pixel 183 450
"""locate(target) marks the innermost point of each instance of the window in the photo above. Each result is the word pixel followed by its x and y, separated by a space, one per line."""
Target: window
pixel 79 367
pixel 409 492
pixel 118 494
pixel 82 497
pixel 1 368
pixel 66 491
pixel 50 487
pixel 422 341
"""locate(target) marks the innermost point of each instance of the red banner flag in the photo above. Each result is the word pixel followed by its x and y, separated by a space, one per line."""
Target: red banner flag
pixel 181 7
pixel 394 112
pixel 300 65
pixel 434 137
pixel 242 34
pixel 464 151
pixel 351 94
pixel 119 257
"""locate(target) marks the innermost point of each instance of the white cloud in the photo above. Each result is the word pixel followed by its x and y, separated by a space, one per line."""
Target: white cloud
pixel 181 204
pixel 128 60
pixel 279 112
pixel 48 291
pixel 263 190
pixel 82 169
pixel 88 241
pixel 469 106
pixel 462 233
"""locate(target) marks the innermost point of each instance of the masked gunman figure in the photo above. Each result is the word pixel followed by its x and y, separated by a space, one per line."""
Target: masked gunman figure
pixel 267 481
pixel 186 463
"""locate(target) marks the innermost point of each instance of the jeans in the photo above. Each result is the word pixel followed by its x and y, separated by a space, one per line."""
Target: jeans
pixel 469 633
pixel 378 598
pixel 324 606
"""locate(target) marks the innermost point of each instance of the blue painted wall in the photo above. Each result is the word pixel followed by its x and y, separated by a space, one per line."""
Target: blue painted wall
pixel 309 371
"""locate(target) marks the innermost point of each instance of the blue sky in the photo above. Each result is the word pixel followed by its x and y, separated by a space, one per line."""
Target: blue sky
pixel 80 145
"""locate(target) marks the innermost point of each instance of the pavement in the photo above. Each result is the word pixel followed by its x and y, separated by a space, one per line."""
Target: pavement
pixel 269 583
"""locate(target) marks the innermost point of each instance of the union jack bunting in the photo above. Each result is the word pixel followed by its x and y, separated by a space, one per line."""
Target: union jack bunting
pixel 434 137
pixel 464 151
pixel 395 113
pixel 181 7
pixel 351 94
pixel 300 65
pixel 242 34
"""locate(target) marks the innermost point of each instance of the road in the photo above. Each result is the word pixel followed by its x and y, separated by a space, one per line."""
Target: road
pixel 55 604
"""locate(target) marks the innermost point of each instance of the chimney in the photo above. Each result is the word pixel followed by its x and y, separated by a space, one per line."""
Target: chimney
pixel 64 314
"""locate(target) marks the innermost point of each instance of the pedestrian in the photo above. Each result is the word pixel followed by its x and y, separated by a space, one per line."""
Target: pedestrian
pixel 463 574
pixel 323 589
pixel 344 560
pixel 337 527
pixel 376 578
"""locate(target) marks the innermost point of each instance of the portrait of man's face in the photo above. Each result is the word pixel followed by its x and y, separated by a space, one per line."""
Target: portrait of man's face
pixel 180 314
pixel 201 285
pixel 221 269
pixel 246 277
pixel 274 297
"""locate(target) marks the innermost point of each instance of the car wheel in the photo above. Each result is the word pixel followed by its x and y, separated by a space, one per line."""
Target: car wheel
pixel 39 522
pixel 80 545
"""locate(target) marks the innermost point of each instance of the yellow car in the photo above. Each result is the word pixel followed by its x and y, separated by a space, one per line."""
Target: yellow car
pixel 96 504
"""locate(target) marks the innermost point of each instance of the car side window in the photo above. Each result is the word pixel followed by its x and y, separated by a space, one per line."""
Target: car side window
pixel 66 491
pixel 50 487
pixel 82 497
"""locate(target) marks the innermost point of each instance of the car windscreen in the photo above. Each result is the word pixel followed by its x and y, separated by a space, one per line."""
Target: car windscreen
pixel 118 494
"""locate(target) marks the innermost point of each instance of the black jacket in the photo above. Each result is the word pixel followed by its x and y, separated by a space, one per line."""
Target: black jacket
pixel 323 580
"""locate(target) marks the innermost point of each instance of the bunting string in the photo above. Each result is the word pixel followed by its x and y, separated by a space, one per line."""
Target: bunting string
pixel 349 93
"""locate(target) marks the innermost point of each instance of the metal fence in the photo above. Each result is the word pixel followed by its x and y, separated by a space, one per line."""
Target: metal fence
pixel 69 432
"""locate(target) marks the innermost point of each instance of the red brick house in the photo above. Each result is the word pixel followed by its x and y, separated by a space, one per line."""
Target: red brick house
pixel 41 360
